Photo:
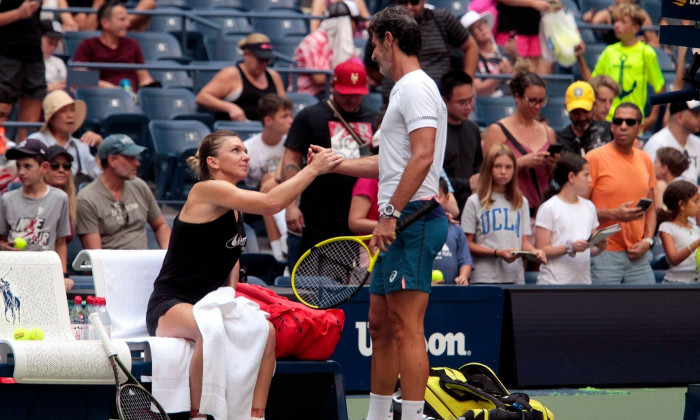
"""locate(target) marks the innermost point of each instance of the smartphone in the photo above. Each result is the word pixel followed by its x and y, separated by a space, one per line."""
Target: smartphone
pixel 554 148
pixel 644 203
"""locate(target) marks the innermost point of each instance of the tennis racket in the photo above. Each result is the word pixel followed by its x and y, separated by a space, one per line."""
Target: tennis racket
pixel 334 270
pixel 133 401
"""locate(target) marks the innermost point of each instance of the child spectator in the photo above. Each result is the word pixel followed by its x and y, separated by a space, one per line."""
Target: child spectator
pixel 454 260
pixel 679 237
pixel 564 223
pixel 56 71
pixel 631 63
pixel 38 213
pixel 606 90
pixel 669 164
pixel 497 221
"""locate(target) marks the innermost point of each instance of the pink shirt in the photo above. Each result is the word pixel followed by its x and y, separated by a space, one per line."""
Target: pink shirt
pixel 313 52
pixel 370 189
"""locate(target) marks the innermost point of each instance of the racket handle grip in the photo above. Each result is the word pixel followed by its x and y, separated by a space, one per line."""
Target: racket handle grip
pixel 102 333
pixel 422 210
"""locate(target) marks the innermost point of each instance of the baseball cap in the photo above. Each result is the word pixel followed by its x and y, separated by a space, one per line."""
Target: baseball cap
pixel 262 50
pixel 28 148
pixel 55 151
pixel 51 28
pixel 350 78
pixel 119 144
pixel 54 101
pixel 342 8
pixel 579 95
pixel 683 105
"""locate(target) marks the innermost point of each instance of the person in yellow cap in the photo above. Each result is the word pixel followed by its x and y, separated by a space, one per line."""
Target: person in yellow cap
pixel 584 133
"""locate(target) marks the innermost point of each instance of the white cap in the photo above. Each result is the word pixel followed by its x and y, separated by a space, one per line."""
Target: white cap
pixel 472 16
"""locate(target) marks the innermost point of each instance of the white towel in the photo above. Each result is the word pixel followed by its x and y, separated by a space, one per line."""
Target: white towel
pixel 234 332
pixel 125 279
pixel 128 278
pixel 170 372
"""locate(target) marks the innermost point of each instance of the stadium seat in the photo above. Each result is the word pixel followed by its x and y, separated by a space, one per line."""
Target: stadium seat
pixel 201 77
pixel 225 46
pixel 557 86
pixel 172 78
pixel 71 39
pixel 665 61
pixel 73 247
pixel 592 54
pixel 270 4
pixel 458 8
pixel 262 265
pixel 192 45
pixel 227 23
pixel 208 4
pixel 111 111
pixel 596 5
pixel 278 29
pixel 555 112
pixel 488 110
pixel 174 142
pixel 244 129
pixel 283 281
pixel 172 104
pixel 301 100
pixel 157 45
pixel 284 48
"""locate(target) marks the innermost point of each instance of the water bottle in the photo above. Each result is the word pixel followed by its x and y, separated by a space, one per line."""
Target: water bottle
pixel 77 319
pixel 126 85
pixel 104 315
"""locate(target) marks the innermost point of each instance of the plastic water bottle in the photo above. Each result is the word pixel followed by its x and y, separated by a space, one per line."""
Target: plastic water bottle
pixel 77 319
pixel 104 315
pixel 126 85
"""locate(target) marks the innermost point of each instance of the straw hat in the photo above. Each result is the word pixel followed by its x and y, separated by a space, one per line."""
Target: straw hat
pixel 54 101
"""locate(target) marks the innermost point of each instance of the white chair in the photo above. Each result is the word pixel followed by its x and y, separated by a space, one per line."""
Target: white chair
pixel 33 295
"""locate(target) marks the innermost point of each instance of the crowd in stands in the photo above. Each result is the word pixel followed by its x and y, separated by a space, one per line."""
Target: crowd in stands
pixel 513 179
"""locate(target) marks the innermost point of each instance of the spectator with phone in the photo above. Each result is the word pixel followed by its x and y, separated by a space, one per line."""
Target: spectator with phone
pixel 620 175
pixel 584 133
pixel 564 222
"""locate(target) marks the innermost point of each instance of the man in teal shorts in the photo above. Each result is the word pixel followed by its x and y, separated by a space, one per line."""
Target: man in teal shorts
pixel 413 137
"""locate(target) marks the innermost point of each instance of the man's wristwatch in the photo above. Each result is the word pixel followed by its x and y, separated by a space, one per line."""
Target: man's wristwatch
pixel 650 241
pixel 390 212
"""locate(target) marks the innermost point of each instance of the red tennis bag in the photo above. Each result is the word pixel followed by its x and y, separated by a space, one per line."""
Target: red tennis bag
pixel 301 332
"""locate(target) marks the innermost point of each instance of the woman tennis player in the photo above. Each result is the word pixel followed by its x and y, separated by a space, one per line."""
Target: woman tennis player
pixel 206 242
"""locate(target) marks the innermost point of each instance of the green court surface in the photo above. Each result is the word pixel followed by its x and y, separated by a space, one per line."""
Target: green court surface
pixel 588 403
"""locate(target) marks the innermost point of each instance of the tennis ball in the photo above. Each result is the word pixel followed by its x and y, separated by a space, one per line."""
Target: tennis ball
pixel 437 276
pixel 20 243
pixel 36 334
pixel 20 334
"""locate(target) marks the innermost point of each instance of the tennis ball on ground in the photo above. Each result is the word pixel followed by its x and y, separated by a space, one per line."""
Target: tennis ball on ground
pixel 20 334
pixel 437 276
pixel 36 334
pixel 20 243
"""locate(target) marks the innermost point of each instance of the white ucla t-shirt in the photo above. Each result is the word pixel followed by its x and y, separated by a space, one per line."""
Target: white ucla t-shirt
pixel 414 103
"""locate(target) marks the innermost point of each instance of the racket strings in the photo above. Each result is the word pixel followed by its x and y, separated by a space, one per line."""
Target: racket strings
pixel 331 273
pixel 136 404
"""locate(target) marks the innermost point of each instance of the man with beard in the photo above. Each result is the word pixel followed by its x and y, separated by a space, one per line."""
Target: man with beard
pixel 584 133
pixel 113 209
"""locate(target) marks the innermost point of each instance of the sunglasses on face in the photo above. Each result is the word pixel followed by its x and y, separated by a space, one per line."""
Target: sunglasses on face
pixel 55 165
pixel 405 2
pixel 631 122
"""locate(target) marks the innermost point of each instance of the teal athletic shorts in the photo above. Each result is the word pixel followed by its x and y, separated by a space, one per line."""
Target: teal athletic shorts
pixel 408 263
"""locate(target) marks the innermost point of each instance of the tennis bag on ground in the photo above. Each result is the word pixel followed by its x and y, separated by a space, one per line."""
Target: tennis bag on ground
pixel 301 332
pixel 473 392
